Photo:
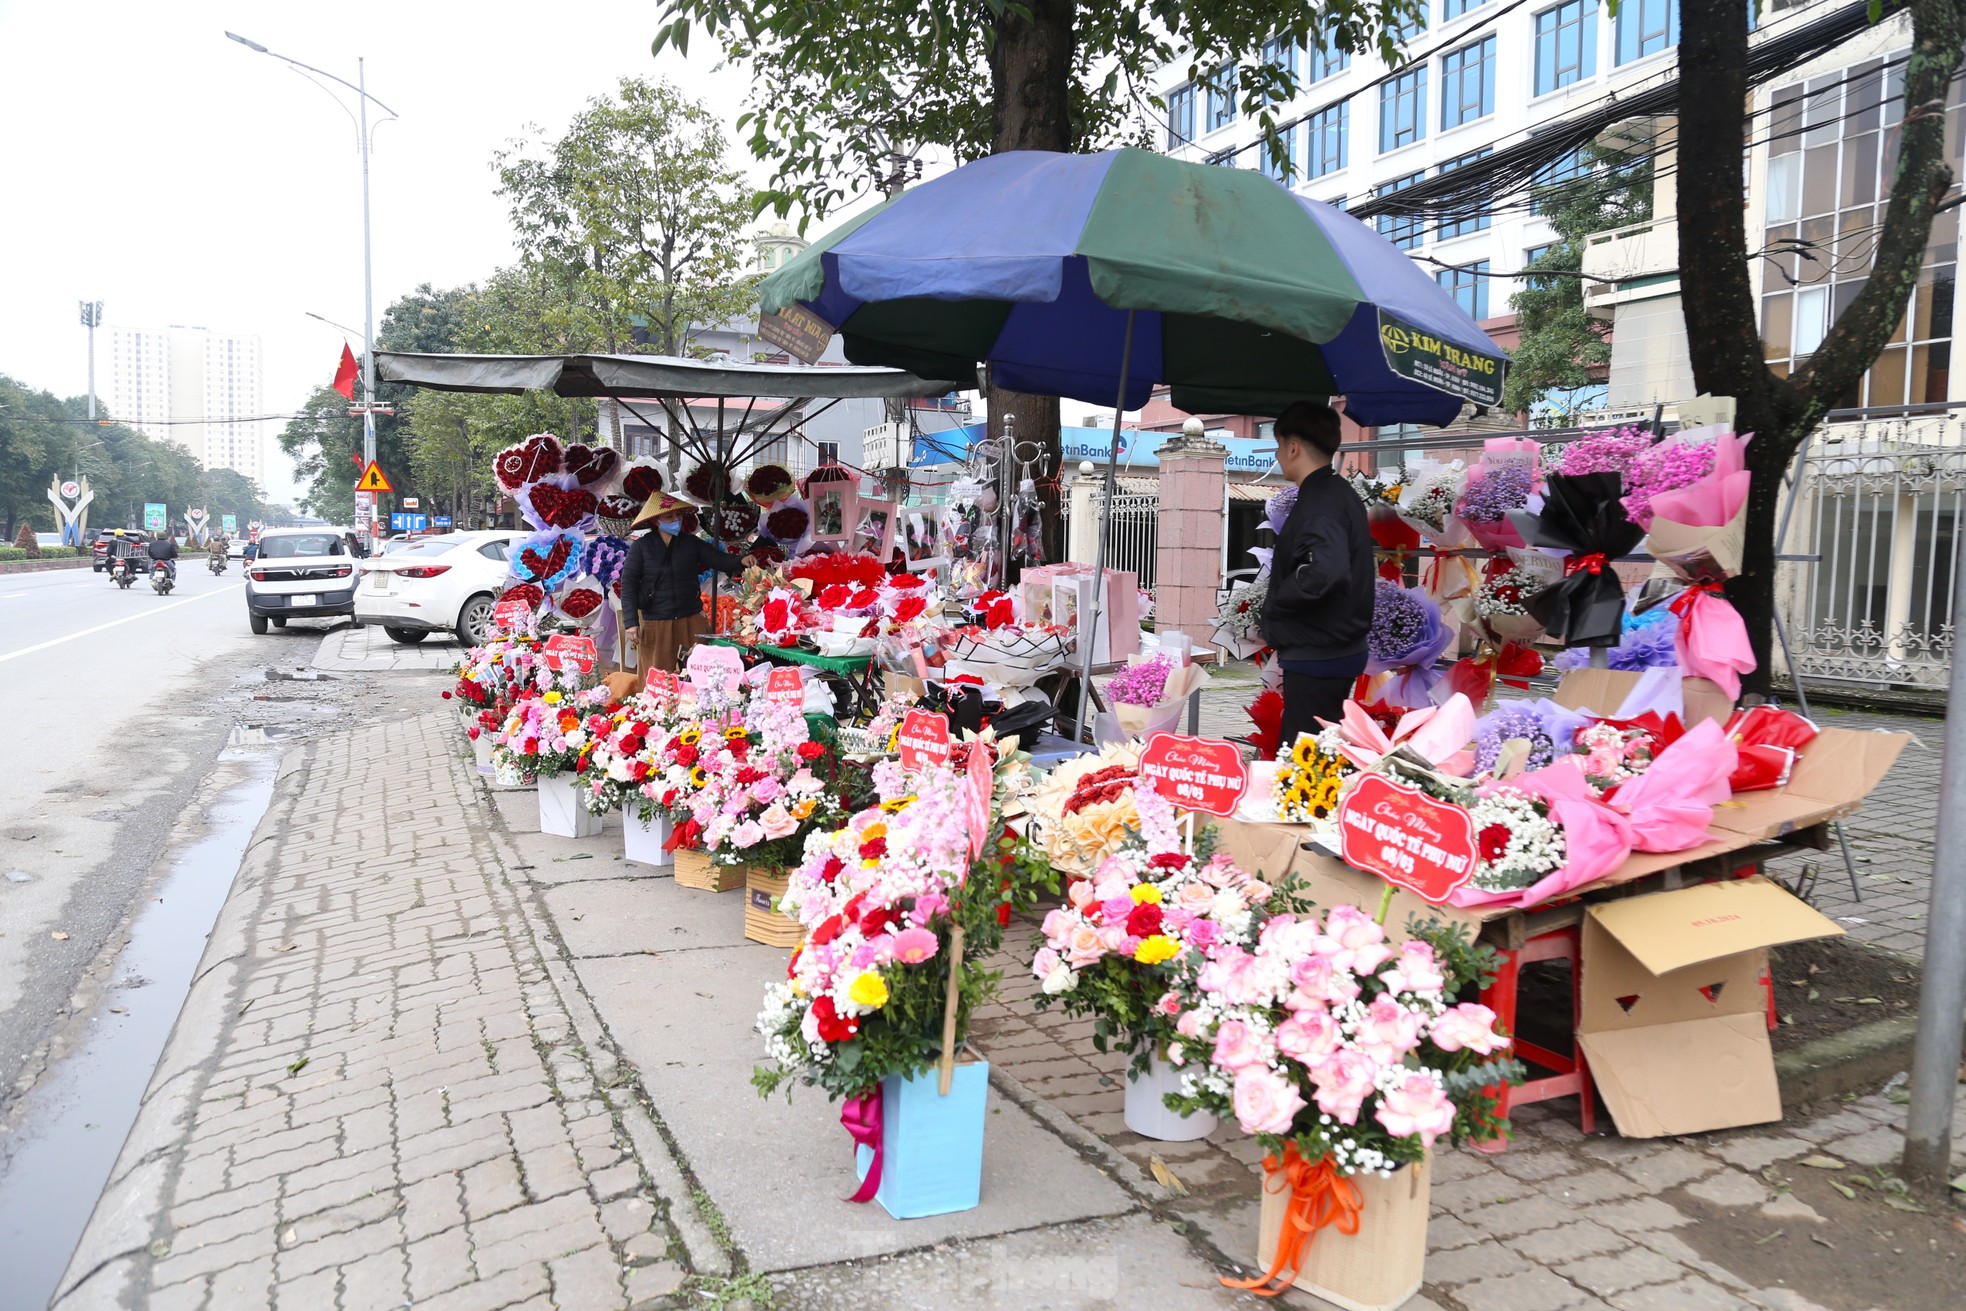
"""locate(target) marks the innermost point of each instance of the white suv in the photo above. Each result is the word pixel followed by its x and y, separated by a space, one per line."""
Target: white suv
pixel 446 583
pixel 299 573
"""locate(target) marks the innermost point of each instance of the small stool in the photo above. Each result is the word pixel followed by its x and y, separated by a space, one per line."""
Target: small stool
pixel 1572 1073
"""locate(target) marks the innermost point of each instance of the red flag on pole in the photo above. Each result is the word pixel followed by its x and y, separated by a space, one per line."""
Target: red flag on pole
pixel 344 375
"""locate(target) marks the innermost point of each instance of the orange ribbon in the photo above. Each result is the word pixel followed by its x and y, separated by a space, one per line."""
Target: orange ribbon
pixel 1320 1197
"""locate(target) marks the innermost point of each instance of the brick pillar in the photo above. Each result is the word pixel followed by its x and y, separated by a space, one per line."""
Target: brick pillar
pixel 1188 562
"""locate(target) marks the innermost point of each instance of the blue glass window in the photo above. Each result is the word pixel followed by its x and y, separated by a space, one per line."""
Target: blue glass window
pixel 1273 161
pixel 1221 97
pixel 1566 45
pixel 1181 115
pixel 1322 63
pixel 1452 9
pixel 1402 230
pixel 1403 110
pixel 1645 27
pixel 1468 285
pixel 1328 131
pixel 1467 83
pixel 1476 222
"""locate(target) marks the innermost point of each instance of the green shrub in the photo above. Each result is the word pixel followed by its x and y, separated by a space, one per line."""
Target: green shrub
pixel 12 553
pixel 59 553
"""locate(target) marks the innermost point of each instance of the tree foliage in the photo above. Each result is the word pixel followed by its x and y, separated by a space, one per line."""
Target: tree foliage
pixel 1561 346
pixel 1717 292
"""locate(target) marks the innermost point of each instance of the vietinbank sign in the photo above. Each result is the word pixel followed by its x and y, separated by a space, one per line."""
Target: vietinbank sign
pixel 1245 454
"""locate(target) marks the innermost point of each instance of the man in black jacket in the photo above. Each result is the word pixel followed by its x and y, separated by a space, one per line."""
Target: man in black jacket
pixel 661 610
pixel 1319 607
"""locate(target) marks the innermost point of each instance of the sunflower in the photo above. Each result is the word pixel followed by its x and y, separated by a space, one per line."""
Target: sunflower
pixel 734 732
pixel 697 778
pixel 897 805
pixel 1323 798
pixel 690 737
pixel 1298 794
pixel 1305 754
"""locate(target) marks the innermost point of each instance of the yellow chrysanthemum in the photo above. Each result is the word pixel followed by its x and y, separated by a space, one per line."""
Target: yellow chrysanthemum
pixel 1154 949
pixel 551 698
pixel 1145 893
pixel 870 989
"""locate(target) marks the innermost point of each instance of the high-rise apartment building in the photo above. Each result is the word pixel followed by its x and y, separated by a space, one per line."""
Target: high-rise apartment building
pixel 1480 74
pixel 193 386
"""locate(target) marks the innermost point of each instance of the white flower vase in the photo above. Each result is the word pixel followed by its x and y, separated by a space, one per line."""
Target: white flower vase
pixel 507 772
pixel 1149 1117
pixel 560 811
pixel 481 746
pixel 643 841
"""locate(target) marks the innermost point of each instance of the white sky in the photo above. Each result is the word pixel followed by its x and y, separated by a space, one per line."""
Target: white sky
pixel 182 178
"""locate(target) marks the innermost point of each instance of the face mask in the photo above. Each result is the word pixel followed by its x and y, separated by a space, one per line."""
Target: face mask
pixel 670 526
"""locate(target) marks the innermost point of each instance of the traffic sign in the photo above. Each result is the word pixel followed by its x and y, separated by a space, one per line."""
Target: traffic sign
pixel 408 523
pixel 153 517
pixel 440 521
pixel 373 480
pixel 409 502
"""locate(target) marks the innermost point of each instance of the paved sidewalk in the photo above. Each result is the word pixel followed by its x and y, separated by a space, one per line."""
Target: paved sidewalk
pixel 374 1097
pixel 368 650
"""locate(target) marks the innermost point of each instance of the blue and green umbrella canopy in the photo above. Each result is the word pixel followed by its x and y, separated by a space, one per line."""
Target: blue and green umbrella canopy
pixel 1246 296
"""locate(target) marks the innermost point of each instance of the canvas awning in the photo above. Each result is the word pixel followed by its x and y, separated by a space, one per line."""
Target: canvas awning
pixel 648 376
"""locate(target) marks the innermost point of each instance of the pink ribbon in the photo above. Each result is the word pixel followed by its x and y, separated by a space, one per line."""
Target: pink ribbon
pixel 861 1117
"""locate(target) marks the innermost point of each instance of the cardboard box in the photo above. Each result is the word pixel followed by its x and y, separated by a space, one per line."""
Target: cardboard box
pixel 1675 1017
pixel 1832 776
pixel 1603 691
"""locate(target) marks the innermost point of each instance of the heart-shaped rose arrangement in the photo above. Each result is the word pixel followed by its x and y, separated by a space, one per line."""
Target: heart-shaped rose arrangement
pixel 548 563
pixel 529 593
pixel 592 465
pixel 579 604
pixel 559 508
pixel 641 480
pixel 529 461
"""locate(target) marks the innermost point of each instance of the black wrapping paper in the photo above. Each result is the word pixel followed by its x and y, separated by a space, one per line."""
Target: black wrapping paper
pixel 1583 517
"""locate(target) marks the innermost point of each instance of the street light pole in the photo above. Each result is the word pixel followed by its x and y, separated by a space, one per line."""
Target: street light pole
pixel 92 319
pixel 360 86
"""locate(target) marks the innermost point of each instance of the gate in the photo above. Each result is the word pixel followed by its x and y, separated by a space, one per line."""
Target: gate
pixel 1868 598
pixel 1133 533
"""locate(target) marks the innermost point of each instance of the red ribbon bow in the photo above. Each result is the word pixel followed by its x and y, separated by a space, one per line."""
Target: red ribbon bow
pixel 861 1117
pixel 1591 562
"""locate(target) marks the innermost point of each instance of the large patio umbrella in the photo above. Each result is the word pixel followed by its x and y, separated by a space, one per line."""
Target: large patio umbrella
pixel 1096 277
pixel 1243 296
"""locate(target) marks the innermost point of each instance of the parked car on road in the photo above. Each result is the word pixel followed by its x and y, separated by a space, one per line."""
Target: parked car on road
pixel 445 583
pixel 299 573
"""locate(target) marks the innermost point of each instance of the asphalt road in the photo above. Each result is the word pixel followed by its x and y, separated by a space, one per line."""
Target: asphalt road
pixel 118 703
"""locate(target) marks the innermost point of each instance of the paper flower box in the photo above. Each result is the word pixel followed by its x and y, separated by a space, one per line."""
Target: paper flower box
pixel 695 870
pixel 932 1146
pixel 560 811
pixel 642 843
pixel 762 923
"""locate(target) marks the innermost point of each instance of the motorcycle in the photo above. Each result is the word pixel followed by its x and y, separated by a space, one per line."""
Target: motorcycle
pixel 121 573
pixel 217 563
pixel 161 578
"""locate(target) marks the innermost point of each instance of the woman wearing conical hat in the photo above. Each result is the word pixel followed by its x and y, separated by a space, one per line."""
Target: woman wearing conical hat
pixel 661 610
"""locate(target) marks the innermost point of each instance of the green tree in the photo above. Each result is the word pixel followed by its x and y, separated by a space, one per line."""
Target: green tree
pixel 1561 346
pixel 1723 335
pixel 835 86
pixel 38 441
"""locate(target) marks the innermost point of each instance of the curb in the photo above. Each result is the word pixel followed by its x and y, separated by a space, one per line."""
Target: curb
pixel 1854 1060
pixel 36 566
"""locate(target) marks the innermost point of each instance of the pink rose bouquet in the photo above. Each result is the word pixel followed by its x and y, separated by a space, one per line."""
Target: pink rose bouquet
pixel 1326 1038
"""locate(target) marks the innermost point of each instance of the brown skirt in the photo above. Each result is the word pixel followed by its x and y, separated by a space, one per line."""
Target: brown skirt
pixel 665 643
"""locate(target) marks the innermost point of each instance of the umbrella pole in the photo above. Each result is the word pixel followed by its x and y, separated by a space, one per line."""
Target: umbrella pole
pixel 1105 514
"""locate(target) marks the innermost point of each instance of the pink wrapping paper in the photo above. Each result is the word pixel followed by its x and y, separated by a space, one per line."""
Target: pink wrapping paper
pixel 1438 734
pixel 1596 838
pixel 1711 639
pixel 1719 496
pixel 1670 806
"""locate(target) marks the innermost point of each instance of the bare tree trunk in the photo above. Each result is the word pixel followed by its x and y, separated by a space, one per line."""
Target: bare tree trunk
pixel 1031 74
pixel 1723 338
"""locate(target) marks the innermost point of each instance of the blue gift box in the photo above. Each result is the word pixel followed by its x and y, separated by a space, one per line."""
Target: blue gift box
pixel 932 1146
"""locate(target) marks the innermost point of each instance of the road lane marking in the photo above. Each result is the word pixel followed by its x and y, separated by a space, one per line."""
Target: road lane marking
pixel 128 619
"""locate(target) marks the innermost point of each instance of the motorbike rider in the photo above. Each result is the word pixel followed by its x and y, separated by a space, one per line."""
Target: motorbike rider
pixel 123 546
pixel 164 550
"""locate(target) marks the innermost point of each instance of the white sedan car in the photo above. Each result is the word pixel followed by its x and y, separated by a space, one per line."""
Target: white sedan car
pixel 441 584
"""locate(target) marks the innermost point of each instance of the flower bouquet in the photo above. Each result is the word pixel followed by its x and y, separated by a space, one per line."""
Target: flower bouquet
pixel 1407 636
pixel 1148 694
pixel 1347 1058
pixel 548 736
pixel 1428 496
pixel 1084 809
pixel 1237 625
pixel 1647 642
pixel 1697 532
pixel 1618 451
pixel 1493 490
pixel 1113 949
pixel 1502 603
pixel 899 906
pixel 1311 779
pixel 1583 521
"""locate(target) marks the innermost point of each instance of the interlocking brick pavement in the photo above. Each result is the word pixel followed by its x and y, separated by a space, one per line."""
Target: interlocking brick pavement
pixel 375 1097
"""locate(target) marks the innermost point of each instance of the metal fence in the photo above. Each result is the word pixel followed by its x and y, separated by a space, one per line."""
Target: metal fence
pixel 1132 534
pixel 1868 594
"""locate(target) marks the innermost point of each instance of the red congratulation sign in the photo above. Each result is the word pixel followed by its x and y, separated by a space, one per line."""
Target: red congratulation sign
pixel 1195 773
pixel 564 650
pixel 511 616
pixel 924 739
pixel 663 685
pixel 1407 837
pixel 785 687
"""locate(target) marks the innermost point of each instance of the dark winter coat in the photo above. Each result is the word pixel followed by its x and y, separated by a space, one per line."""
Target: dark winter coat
pixel 1319 605
pixel 659 579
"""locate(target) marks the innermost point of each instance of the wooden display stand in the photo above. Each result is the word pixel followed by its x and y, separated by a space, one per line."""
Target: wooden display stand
pixel 762 888
pixel 1380 1266
pixel 694 870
